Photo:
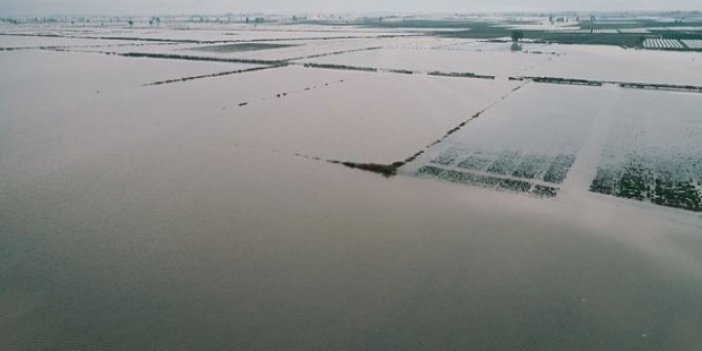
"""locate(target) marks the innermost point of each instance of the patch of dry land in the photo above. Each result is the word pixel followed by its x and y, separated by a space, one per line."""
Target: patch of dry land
pixel 185 187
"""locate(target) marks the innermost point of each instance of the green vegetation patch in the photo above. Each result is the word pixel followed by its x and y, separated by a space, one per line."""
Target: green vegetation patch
pixel 677 194
pixel 470 179
pixel 505 164
pixel 515 185
pixel 650 182
pixel 446 159
pixel 429 171
pixel 477 162
pixel 530 167
pixel 558 170
pixel 505 171
pixel 544 191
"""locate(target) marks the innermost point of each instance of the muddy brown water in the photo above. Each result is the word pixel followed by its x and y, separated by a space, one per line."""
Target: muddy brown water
pixel 146 231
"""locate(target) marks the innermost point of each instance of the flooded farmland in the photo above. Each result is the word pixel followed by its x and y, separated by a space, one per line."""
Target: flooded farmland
pixel 312 186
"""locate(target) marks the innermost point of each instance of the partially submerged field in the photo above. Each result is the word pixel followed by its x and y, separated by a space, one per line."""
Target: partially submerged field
pixel 617 64
pixel 657 155
pixel 526 143
pixel 486 62
pixel 158 192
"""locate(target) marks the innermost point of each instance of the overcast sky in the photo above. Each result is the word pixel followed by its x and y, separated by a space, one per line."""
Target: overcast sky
pixel 44 7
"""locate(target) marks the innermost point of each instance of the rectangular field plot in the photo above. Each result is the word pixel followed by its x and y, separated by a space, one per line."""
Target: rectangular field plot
pixel 616 64
pixel 506 46
pixel 330 114
pixel 86 87
pixel 695 44
pixel 57 108
pixel 539 174
pixel 654 150
pixel 662 44
pixel 233 32
pixel 262 51
pixel 493 63
pixel 357 116
pixel 287 50
pixel 526 144
pixel 9 42
pixel 92 71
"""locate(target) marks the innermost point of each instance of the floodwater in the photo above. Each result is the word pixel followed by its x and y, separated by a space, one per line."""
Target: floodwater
pixel 127 223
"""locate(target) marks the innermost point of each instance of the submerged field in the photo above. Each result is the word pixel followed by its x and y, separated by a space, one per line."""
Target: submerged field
pixel 211 186
pixel 526 143
pixel 654 156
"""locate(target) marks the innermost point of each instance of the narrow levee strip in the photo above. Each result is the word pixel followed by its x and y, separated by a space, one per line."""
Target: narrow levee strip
pixel 389 170
pixel 395 70
pixel 199 58
pixel 333 53
pixel 69 47
pixel 219 74
pixel 599 83
pixel 292 92
pixel 195 41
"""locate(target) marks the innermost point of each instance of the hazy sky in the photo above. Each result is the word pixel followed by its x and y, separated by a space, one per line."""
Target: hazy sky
pixel 43 7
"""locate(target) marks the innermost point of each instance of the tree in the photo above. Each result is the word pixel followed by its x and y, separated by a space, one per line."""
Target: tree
pixel 516 35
